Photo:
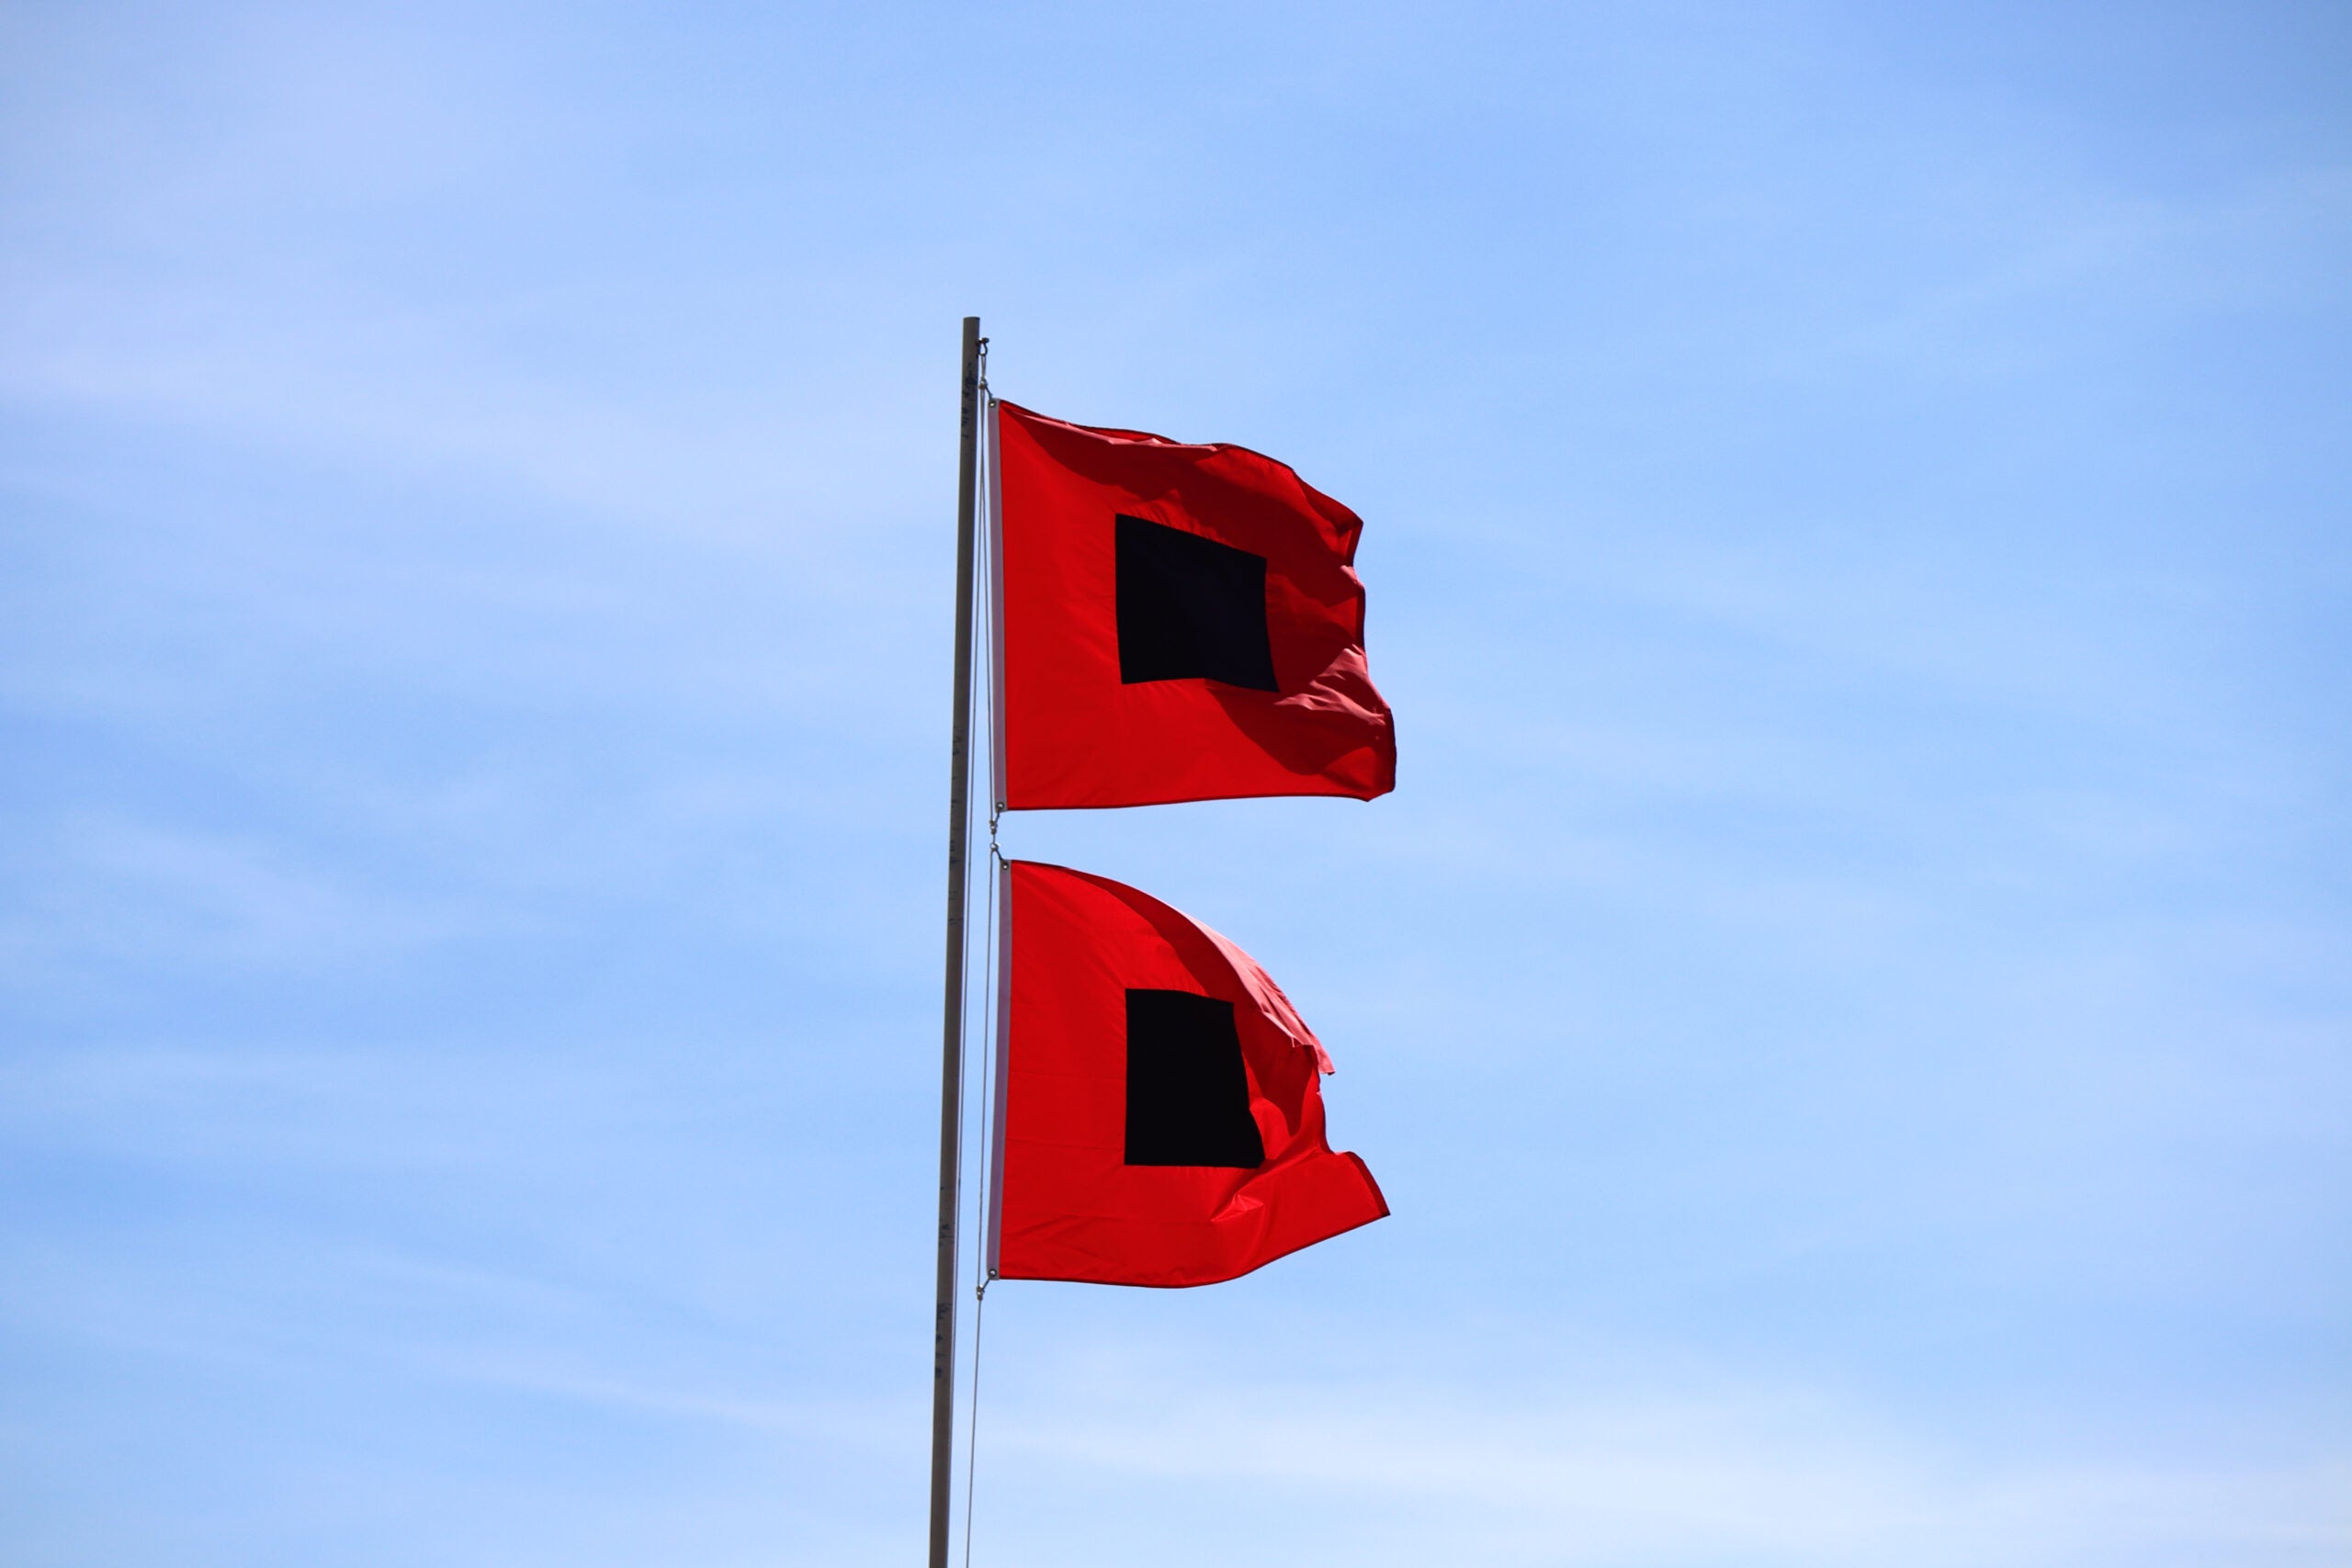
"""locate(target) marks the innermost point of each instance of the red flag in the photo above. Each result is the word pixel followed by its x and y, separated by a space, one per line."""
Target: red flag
pixel 1158 1117
pixel 1176 623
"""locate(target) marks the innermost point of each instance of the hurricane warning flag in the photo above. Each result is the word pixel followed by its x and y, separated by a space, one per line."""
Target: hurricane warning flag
pixel 1176 623
pixel 1159 1118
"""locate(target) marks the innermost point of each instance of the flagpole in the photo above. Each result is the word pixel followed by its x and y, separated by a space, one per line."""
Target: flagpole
pixel 951 1071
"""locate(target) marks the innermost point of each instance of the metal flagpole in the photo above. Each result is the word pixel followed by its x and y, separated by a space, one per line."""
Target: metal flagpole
pixel 951 1071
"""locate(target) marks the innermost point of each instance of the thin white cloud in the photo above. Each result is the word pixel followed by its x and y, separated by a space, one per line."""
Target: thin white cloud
pixel 111 888
pixel 1729 1476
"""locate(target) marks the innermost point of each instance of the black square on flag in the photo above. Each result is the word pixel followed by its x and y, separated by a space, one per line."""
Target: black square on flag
pixel 1188 1098
pixel 1190 608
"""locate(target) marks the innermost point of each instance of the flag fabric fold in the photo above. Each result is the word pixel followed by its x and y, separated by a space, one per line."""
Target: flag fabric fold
pixel 1159 1115
pixel 1175 623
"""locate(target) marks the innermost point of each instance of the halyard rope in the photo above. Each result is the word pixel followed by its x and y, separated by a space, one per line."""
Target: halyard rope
pixel 979 1253
pixel 987 1054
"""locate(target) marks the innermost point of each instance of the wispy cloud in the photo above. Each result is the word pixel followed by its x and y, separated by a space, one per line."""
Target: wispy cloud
pixel 1728 1476
pixel 106 890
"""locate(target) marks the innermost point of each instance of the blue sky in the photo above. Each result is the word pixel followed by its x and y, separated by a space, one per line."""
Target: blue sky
pixel 1851 1001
